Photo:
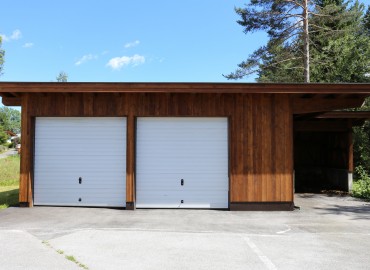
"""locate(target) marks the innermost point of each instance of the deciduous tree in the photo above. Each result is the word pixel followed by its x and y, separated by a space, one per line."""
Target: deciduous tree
pixel 10 119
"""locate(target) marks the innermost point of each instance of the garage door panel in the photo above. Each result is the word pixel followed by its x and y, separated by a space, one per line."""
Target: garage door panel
pixel 62 183
pixel 72 201
pixel 60 180
pixel 77 165
pixel 93 148
pixel 196 199
pixel 162 182
pixel 80 151
pixel 176 167
pixel 167 136
pixel 191 181
pixel 159 199
pixel 186 122
pixel 172 199
pixel 171 149
pixel 110 146
pixel 83 135
pixel 86 158
pixel 165 142
pixel 185 161
pixel 185 157
pixel 76 122
pixel 206 182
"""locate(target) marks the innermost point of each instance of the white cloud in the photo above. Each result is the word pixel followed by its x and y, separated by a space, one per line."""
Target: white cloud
pixel 28 45
pixel 117 63
pixel 132 44
pixel 85 58
pixel 17 34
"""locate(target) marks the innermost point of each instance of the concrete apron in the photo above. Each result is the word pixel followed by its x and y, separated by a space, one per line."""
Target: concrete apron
pixel 327 233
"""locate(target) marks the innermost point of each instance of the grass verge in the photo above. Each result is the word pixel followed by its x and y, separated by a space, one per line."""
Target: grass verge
pixel 9 181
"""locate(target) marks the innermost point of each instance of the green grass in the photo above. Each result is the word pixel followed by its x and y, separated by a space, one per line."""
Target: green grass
pixel 68 257
pixel 9 181
pixel 73 259
pixel 3 148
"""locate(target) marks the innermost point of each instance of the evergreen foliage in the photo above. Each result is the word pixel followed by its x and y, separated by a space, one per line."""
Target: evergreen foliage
pixel 62 77
pixel 339 41
pixel 341 54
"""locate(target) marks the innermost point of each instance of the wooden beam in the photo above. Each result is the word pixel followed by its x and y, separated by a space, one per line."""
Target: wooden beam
pixel 307 116
pixel 303 105
pixel 345 115
pixel 12 101
pixel 322 126
pixel 292 88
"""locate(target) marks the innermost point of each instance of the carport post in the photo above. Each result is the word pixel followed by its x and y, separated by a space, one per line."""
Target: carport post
pixel 350 155
pixel 25 181
pixel 130 163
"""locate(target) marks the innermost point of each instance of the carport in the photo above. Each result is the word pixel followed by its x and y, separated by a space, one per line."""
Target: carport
pixel 182 145
pixel 323 150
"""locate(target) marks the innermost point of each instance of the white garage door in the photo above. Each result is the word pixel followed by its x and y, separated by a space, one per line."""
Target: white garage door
pixel 80 161
pixel 182 162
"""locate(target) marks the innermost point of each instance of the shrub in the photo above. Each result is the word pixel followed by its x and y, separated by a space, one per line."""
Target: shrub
pixel 3 136
pixel 3 148
pixel 361 186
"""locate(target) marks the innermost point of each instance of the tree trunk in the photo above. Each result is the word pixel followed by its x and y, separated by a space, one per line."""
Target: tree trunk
pixel 306 45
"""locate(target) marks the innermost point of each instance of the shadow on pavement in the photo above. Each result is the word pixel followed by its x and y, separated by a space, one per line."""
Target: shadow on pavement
pixel 356 212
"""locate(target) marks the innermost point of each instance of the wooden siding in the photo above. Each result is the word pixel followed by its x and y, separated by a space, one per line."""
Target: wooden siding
pixel 260 131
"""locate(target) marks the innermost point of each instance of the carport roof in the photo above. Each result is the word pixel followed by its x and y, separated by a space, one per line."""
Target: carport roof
pixel 307 97
pixel 164 87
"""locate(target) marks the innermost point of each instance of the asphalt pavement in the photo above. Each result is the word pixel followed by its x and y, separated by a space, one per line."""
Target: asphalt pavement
pixel 10 152
pixel 326 233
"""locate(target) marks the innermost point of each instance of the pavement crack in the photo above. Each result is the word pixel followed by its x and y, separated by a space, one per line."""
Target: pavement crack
pixel 67 257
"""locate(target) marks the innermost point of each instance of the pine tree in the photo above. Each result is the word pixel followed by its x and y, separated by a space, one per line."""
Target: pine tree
pixel 284 21
pixel 62 77
pixel 336 38
pixel 340 51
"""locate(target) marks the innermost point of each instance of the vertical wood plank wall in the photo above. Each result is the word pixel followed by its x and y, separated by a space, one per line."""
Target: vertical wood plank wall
pixel 261 143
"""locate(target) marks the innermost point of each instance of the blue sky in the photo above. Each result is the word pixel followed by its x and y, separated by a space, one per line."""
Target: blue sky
pixel 124 41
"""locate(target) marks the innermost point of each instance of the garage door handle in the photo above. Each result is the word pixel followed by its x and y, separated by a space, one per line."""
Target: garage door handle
pixel 182 182
pixel 80 180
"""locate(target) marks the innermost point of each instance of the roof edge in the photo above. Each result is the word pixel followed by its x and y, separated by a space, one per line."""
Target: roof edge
pixel 184 87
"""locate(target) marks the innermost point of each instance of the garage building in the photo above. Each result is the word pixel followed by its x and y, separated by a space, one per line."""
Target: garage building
pixel 180 145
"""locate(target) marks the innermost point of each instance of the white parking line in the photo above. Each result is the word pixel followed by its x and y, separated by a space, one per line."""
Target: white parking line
pixel 266 261
pixel 287 230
